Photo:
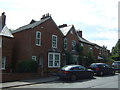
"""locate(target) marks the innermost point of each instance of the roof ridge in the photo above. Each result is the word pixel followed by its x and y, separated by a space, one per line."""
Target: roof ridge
pixel 32 25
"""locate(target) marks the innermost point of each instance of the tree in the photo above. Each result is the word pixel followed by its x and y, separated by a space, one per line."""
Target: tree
pixel 79 49
pixel 89 58
pixel 116 51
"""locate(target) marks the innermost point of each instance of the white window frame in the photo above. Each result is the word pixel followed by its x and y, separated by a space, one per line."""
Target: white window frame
pixel 65 43
pixel 3 63
pixel 53 66
pixel 54 43
pixel 73 45
pixel 34 58
pixel 38 39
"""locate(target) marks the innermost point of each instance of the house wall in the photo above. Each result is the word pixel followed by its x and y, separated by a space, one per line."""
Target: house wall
pixel 24 42
pixel 96 52
pixel 7 46
pixel 71 36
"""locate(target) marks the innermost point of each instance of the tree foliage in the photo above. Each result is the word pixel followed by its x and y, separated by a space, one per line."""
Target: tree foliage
pixel 116 51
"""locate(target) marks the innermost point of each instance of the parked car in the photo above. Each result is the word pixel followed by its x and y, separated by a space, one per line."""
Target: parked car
pixel 116 65
pixel 73 72
pixel 101 69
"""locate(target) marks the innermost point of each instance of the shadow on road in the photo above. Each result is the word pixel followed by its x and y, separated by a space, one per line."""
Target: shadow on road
pixel 82 80
pixel 107 75
pixel 79 80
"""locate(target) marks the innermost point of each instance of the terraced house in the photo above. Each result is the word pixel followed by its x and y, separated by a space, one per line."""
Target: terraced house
pixel 44 42
pixel 70 40
pixel 6 39
pixel 40 41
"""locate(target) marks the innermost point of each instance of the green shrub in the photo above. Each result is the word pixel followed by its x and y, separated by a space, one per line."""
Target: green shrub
pixel 27 66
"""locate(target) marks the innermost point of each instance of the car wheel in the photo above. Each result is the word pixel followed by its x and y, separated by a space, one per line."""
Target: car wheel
pixel 101 73
pixel 73 77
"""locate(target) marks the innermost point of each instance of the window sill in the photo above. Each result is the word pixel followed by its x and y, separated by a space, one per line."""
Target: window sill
pixel 53 66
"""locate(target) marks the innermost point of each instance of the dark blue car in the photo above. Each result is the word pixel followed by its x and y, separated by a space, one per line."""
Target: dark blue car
pixel 73 72
pixel 102 69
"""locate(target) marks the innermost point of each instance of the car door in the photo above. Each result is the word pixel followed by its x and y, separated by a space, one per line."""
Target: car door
pixel 106 69
pixel 83 71
pixel 109 69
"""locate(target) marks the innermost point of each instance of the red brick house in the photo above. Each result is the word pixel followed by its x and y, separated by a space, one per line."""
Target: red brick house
pixel 70 40
pixel 40 41
pixel 6 46
pixel 87 45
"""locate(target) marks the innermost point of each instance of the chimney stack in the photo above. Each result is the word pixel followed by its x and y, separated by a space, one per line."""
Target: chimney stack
pixel 46 16
pixel 79 33
pixel 3 19
pixel 61 26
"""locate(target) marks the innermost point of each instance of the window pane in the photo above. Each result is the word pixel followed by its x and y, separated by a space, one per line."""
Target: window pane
pixel 56 57
pixel 38 38
pixel 54 41
pixel 50 63
pixel 56 60
pixel 50 59
pixel 56 63
pixel 65 43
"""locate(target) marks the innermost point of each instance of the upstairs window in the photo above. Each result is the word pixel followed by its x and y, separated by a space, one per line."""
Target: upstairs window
pixel 38 38
pixel 54 41
pixel 73 45
pixel 65 43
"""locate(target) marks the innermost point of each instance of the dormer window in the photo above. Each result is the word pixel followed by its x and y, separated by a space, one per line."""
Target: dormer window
pixel 54 41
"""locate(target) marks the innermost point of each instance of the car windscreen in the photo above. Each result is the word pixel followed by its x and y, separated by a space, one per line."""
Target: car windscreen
pixel 66 68
pixel 93 65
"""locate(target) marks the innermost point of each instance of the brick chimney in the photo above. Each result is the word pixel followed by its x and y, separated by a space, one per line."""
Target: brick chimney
pixel 61 26
pixel 79 33
pixel 3 19
pixel 46 16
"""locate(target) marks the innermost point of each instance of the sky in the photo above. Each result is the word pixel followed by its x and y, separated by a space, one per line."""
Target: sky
pixel 98 19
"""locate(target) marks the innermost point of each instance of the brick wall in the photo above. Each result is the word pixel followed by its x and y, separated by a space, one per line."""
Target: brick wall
pixel 7 52
pixel 18 76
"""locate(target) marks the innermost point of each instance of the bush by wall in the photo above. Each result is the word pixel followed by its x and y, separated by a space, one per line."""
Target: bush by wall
pixel 27 66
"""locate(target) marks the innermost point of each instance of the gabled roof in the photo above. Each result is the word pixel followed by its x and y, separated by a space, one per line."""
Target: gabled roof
pixel 84 40
pixel 31 25
pixel 66 29
pixel 6 32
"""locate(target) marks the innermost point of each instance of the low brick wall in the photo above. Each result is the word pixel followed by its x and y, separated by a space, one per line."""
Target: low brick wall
pixel 18 76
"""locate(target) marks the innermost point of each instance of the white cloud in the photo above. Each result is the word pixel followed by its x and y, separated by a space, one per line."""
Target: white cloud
pixel 103 13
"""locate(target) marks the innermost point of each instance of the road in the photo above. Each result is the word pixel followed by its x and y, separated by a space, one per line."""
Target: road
pixel 108 81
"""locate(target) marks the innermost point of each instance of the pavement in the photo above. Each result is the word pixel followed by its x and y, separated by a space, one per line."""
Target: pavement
pixel 28 82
